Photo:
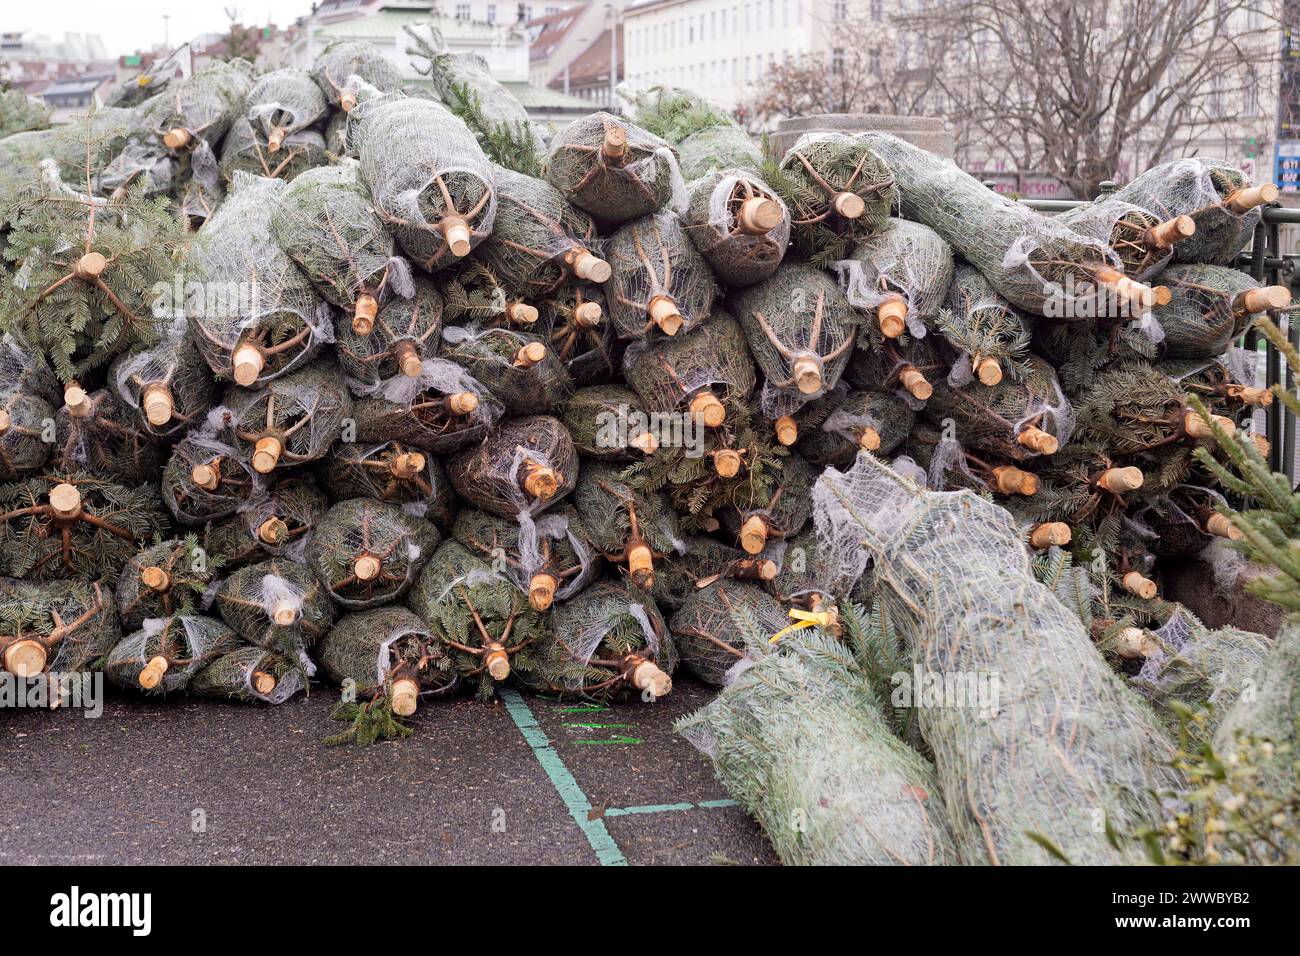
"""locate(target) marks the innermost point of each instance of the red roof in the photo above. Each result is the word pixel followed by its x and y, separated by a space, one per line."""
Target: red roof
pixel 592 65
pixel 545 33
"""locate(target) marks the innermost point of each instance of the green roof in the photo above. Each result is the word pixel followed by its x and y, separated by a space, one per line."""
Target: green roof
pixel 387 23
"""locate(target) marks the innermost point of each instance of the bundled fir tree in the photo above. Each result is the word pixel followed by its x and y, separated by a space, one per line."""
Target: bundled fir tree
pixel 474 294
pixel 282 103
pixel 165 653
pixel 660 283
pixel 22 368
pixel 612 169
pixel 20 112
pixel 250 674
pixel 168 385
pixel 527 465
pixel 246 150
pixel 1209 307
pixel 699 562
pixel 366 553
pixel 164 579
pixel 519 369
pixel 627 526
pixel 342 61
pixel 1144 244
pixel 101 433
pixel 576 323
pixel 778 507
pixel 710 627
pixel 290 420
pixel 279 606
pixel 194 113
pixel 443 410
pixel 394 472
pixel 271 523
pixel 26 422
pixel 59 627
pixel 835 428
pixel 207 478
pixel 608 421
pixel 900 274
pixel 387 356
pixel 990 336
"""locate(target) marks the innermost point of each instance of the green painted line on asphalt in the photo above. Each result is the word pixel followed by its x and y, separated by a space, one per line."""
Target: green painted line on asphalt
pixel 665 807
pixel 606 849
pixel 590 726
pixel 581 709
pixel 616 739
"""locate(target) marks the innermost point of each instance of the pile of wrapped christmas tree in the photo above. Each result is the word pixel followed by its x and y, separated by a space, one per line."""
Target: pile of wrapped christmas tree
pixel 313 375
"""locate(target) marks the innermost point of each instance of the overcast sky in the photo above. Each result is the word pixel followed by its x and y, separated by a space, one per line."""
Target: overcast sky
pixel 128 25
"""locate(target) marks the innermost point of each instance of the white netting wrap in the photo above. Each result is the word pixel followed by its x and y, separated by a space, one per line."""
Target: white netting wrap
pixel 367 553
pixel 344 62
pixel 23 448
pixel 21 367
pixel 196 112
pixel 206 476
pixel 1061 746
pixel 291 420
pixel 904 259
pixel 386 355
pixel 169 384
pixel 535 544
pixel 283 102
pixel 427 176
pixel 277 605
pixel 660 283
pixel 1207 309
pixel 165 653
pixel 426 411
pixel 527 464
pixel 251 674
pixel 1126 228
pixel 739 224
pixel 245 150
pixel 613 169
pixel 519 369
pixel 668 373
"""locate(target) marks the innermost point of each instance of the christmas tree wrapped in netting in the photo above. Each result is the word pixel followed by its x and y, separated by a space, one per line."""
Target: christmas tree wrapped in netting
pixel 900 274
pixel 608 421
pixel 60 627
pixel 250 674
pixel 259 316
pixel 990 336
pixel 838 188
pixel 367 552
pixel 834 429
pixel 800 740
pixel 710 627
pixel 277 605
pixel 701 561
pixel 497 119
pixel 23 155
pixel 527 465
pixel 612 169
pixel 548 558
pixel 21 112
pixel 281 103
pixel 1228 381
pixel 443 410
pixel 777 507
pixel 575 321
pixel 539 241
pixel 427 176
pixel 325 223
pixel 165 653
pixel 207 478
pixel 168 384
pixel 386 354
pixel 86 269
pixel 475 295
pixel 1035 262
pixel 800 329
pixel 193 114
pixel 73 524
pixel 699 372
pixel 738 223
pixel 1217 197
pixel 1012 420
pixel 157 77
pixel 1144 243
pixel 391 471
pixel 245 150
pixel 1061 752
pixel 290 420
pixel 660 283
pixel 164 579
pixel 98 432
pixel 22 368
pixel 343 60
pixel 1209 307
pixel 681 116
pixel 479 616
pixel 385 659
pixel 26 422
pixel 610 641
pixel 629 527
pixel 519 369
pixel 270 523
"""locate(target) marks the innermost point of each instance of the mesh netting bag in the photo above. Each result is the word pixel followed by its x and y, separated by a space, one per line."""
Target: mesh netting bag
pixel 1059 751
pixel 901 274
pixel 699 562
pixel 164 579
pixel 718 147
pixel 627 526
pixel 25 424
pixel 290 420
pixel 676 114
pixel 324 222
pixel 23 368
pixel 908 370
pixel 1209 307
pixel 698 372
pixel 800 329
pixel 98 432
pixel 1144 243
pixel 517 367
pixel 739 224
pixel 74 524
pixel 207 477
pixel 388 354
pixel 245 150
pixel 20 112
pixel 193 114
pixel 777 508
pixel 367 553
pixel 1218 197
pixel 612 169
pixel 660 282
pixel 165 653
pixel 474 294
pixel 852 421
pixel 538 240
pixel 343 60
pixel 548 558
pixel 391 471
pixel 281 103
pixel 58 627
pixel 1134 407
pixel 168 385
pixel 259 316
pixel 270 523
pixel 990 336
pixel 1037 263
pixel 710 627
pixel 250 674
pixel 608 421
pixel 608 642
pixel 427 176
pixel 798 738
pixel 482 619
pixel 387 651
pixel 443 410
pixel 277 605
pixel 575 321
pixel 1013 420
pixel 527 465
pixel 838 188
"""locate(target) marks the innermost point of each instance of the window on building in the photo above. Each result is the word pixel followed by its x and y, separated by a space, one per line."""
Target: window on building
pixel 491 13
pixel 462 11
pixel 758 14
pixel 873 62
pixel 551 11
pixel 840 10
pixel 877 11
pixel 837 60
pixel 798 13
pixel 1250 93
pixel 785 13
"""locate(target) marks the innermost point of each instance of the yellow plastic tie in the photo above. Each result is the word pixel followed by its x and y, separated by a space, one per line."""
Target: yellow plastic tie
pixel 804 619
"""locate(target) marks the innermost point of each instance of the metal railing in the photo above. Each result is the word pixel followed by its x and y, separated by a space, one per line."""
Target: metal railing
pixel 1264 262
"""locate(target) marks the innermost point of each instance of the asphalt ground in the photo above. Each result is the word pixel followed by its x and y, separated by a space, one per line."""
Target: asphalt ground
pixel 522 780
